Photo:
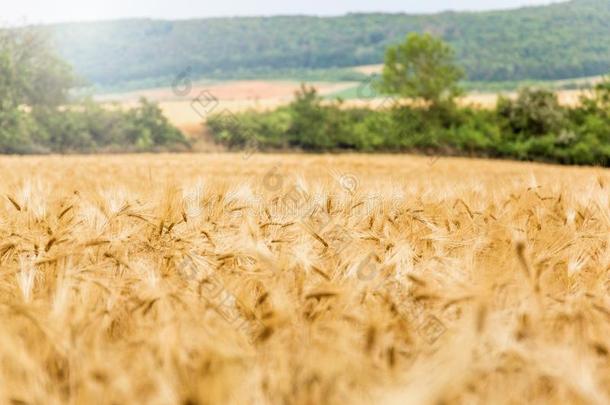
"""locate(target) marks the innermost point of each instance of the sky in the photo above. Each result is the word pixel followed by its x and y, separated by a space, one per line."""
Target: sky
pixel 48 11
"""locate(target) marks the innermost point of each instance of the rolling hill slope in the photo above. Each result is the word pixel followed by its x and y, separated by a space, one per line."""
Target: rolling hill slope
pixel 558 41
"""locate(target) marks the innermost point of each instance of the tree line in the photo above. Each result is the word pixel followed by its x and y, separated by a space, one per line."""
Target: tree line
pixel 38 114
pixel 558 41
pixel 422 69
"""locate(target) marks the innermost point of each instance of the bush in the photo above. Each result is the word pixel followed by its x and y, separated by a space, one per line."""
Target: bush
pixel 148 127
pixel 15 127
pixel 88 127
pixel 267 129
pixel 533 113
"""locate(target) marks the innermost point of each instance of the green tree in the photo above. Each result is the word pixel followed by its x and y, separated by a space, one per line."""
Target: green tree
pixel 423 67
pixel 309 120
pixel 32 78
pixel 31 73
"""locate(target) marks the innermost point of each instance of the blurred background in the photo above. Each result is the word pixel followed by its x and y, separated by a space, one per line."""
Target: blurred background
pixel 142 76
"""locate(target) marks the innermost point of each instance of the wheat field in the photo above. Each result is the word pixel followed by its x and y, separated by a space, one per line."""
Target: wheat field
pixel 302 279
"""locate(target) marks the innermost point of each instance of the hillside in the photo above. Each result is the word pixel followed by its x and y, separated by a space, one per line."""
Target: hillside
pixel 558 41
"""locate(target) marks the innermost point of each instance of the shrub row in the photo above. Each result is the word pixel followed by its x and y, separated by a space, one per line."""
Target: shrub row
pixel 534 126
pixel 88 127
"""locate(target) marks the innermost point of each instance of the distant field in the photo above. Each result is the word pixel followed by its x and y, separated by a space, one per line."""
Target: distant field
pixel 188 109
pixel 302 279
pixel 369 69
pixel 234 91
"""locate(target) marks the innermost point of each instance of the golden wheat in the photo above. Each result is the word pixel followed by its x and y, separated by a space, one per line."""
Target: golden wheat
pixel 262 279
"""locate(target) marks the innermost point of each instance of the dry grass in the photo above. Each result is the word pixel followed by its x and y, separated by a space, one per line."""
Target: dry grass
pixel 213 279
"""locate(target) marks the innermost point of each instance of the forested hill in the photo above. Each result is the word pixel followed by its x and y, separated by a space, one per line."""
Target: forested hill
pixel 559 41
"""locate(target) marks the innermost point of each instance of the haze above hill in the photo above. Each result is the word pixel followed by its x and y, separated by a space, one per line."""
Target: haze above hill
pixel 59 11
pixel 557 41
